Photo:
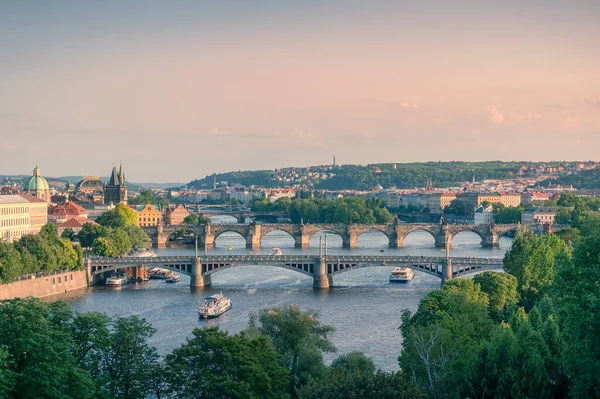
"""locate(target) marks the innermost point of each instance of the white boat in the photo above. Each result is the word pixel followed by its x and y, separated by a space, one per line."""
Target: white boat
pixel 401 275
pixel 173 279
pixel 214 306
pixel 117 280
pixel 276 251
pixel 158 273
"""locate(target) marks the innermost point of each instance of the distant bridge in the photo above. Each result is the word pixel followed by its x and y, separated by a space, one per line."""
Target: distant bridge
pixel 301 233
pixel 320 268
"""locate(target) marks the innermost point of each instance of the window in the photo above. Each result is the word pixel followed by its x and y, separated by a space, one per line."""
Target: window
pixel 53 280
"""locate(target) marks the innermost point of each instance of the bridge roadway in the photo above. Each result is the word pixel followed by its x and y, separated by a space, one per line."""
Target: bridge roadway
pixel 321 269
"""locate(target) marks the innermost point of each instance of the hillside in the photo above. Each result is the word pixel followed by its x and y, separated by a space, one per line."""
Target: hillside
pixel 361 177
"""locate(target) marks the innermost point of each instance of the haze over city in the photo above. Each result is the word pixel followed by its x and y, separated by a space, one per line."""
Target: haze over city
pixel 179 90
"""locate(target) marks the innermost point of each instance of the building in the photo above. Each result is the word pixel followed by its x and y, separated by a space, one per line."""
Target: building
pixel 530 197
pixel 176 215
pixel 63 212
pixel 473 200
pixel 95 210
pixel 436 202
pixel 148 215
pixel 75 224
pixel 20 215
pixel 37 186
pixel 115 192
pixel 483 215
pixel 90 187
pixel 539 216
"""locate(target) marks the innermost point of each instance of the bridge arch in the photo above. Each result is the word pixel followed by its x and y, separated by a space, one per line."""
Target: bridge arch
pixel 333 237
pixel 378 232
pixel 305 269
pixel 469 230
pixel 425 268
pixel 183 268
pixel 420 229
pixel 271 234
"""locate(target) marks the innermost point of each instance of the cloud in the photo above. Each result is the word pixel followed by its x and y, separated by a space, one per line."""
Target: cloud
pixel 592 103
pixel 218 132
pixel 405 105
pixel 366 134
pixel 495 116
pixel 530 116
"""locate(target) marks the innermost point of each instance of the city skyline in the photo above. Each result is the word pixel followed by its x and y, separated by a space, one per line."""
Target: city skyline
pixel 182 90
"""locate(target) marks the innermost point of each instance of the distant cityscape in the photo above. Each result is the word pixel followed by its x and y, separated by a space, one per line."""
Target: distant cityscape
pixel 72 205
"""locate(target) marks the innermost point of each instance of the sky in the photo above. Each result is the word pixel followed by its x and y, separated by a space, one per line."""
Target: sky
pixel 181 89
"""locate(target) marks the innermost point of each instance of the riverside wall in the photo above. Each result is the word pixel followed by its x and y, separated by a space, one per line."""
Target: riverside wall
pixel 45 286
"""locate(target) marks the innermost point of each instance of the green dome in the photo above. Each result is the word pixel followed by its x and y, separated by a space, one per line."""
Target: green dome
pixel 36 182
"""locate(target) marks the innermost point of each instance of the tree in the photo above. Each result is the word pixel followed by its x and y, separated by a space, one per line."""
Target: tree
pixel 569 234
pixel 89 232
pixel 7 375
pixel 501 290
pixel 576 296
pixel 104 247
pixel 354 362
pixel 531 260
pixel 11 263
pixel 214 364
pixel 120 241
pixel 143 198
pixel 129 360
pixel 37 352
pixel 456 207
pixel 119 216
pixel 68 234
pixel 297 336
pixel 192 219
pixel 137 236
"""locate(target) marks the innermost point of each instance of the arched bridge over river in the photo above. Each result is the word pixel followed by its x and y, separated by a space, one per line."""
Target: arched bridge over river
pixel 320 268
pixel 301 233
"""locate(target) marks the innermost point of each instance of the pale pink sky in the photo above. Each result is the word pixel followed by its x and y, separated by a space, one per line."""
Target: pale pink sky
pixel 186 89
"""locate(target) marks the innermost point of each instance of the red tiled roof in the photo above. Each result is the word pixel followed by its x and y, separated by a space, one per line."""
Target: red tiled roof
pixel 76 222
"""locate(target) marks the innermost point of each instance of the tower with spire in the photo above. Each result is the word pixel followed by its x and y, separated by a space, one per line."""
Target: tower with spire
pixel 115 191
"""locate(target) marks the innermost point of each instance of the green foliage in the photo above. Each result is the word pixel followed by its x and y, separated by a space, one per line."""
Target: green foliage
pixel 341 383
pixel 507 215
pixel 440 340
pixel 103 246
pixel 576 294
pixel 194 220
pixel 569 234
pixel 501 290
pixel 144 197
pixel 33 253
pixel 89 232
pixel 354 362
pixel 457 208
pixel 68 234
pixel 106 241
pixel 342 210
pixel 118 217
pixel 586 179
pixel 37 352
pixel 214 364
pixel 297 336
pixel 137 236
pixel 531 260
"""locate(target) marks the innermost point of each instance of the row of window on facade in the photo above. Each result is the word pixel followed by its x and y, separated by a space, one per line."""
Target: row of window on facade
pixel 60 279
pixel 9 235
pixel 14 222
pixel 14 210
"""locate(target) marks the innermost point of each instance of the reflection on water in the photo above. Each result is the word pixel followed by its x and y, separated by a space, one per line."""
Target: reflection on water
pixel 363 306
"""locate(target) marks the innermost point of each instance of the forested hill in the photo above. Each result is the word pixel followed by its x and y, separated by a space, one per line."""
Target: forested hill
pixel 360 177
pixel 586 179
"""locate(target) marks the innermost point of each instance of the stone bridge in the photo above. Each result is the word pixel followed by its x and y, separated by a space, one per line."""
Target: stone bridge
pixel 241 216
pixel 320 268
pixel 301 233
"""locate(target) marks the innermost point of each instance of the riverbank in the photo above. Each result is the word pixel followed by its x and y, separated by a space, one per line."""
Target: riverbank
pixel 45 286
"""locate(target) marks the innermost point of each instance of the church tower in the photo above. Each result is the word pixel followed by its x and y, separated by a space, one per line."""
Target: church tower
pixel 115 191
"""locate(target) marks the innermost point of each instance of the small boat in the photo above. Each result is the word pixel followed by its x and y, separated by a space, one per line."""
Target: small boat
pixel 276 251
pixel 173 279
pixel 401 275
pixel 117 280
pixel 158 273
pixel 214 306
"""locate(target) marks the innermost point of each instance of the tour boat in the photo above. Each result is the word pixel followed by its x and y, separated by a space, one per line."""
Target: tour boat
pixel 173 279
pixel 158 273
pixel 401 275
pixel 276 251
pixel 214 306
pixel 116 280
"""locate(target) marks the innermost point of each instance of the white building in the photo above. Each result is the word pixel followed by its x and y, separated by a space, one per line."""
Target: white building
pixel 20 215
pixel 483 215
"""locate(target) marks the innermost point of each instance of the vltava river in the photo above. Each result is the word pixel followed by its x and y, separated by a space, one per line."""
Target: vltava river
pixel 363 306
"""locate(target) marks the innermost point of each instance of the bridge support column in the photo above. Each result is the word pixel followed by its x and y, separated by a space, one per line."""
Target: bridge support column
pixel 447 270
pixel 321 279
pixel 443 240
pixel 253 236
pixel 396 241
pixel 490 241
pixel 349 240
pixel 301 240
pixel 198 280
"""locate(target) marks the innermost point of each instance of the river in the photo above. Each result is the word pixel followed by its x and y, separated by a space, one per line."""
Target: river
pixel 363 306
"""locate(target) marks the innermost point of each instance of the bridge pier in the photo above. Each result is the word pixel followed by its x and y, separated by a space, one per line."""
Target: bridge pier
pixel 443 240
pixel 197 279
pixel 253 236
pixel 396 241
pixel 301 240
pixel 490 241
pixel 349 240
pixel 447 270
pixel 321 279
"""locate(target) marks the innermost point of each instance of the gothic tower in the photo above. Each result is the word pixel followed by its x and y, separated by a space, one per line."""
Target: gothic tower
pixel 115 191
